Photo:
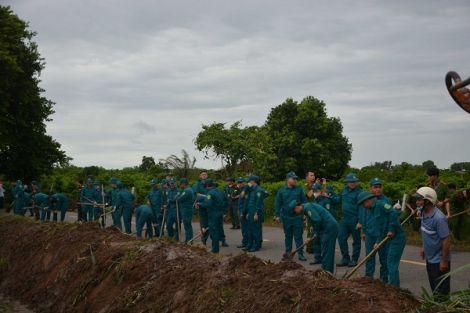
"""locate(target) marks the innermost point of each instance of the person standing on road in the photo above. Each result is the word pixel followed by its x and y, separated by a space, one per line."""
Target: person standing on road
pixel 324 227
pixel 125 205
pixel 325 203
pixel 310 177
pixel 212 202
pixel 386 224
pixel 233 194
pixel 99 204
pixel 87 198
pixel 242 203
pixel 171 220
pixel 349 223
pixel 441 189
pixel 370 235
pixel 255 214
pixel 291 223
pixel 155 201
pixel 199 193
pixel 436 240
pixel 185 200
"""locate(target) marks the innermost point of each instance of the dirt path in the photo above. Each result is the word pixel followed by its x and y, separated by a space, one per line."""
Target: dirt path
pixel 62 267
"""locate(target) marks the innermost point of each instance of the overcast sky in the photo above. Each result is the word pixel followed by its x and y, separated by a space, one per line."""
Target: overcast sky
pixel 135 78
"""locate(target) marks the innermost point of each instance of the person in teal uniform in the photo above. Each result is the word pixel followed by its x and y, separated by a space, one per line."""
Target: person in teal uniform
pixel 144 216
pixel 242 202
pixel 185 200
pixel 59 203
pixel 255 214
pixel 291 223
pixel 87 198
pixel 42 201
pixel 369 233
pixel 171 216
pixel 213 203
pixel 98 208
pixel 349 223
pixel 324 202
pixel 387 224
pixel 154 201
pixel 199 194
pixel 324 227
pixel 125 204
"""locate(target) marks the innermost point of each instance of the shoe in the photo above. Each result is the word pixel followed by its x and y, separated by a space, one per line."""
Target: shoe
pixel 204 241
pixel 253 250
pixel 224 244
pixel 341 264
pixel 233 227
pixel 315 261
pixel 352 264
pixel 246 248
pixel 302 258
pixel 236 227
pixel 241 246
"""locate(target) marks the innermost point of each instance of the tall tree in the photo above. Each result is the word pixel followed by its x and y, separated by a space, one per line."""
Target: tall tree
pixel 147 163
pixel 241 150
pixel 26 151
pixel 304 137
pixel 181 167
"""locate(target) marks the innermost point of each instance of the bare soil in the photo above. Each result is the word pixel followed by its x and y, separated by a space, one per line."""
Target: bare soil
pixel 64 267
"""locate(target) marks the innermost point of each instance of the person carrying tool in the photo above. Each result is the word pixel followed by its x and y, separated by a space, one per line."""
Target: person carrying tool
pixel 387 224
pixel 459 202
pixel 291 223
pixel 170 207
pixel 436 240
pixel 42 201
pixel 124 206
pixel 111 196
pixel 324 227
pixel 185 200
pixel 59 202
pixel 86 197
pixel 155 202
pixel 199 193
pixel 325 203
pixel 370 236
pixel 310 178
pixel 224 206
pixel 349 223
pixel 212 202
pixel 98 208
pixel 144 216
pixel 255 214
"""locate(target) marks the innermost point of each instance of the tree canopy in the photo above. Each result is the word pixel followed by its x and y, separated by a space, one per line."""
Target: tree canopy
pixel 26 152
pixel 304 137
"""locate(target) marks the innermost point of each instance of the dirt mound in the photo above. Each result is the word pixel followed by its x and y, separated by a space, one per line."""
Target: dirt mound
pixel 62 267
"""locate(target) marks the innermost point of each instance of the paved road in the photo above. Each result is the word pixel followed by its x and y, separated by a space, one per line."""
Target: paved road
pixel 412 268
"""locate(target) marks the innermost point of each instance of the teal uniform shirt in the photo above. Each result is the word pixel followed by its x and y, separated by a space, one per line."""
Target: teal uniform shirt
pixel 186 198
pixel 155 197
pixel 285 195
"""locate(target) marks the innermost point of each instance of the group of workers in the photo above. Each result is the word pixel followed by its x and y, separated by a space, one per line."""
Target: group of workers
pixel 367 215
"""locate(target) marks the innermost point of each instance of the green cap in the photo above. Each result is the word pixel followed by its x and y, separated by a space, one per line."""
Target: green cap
pixel 113 180
pixel 351 177
pixel 255 178
pixel 375 181
pixel 293 204
pixel 183 181
pixel 118 184
pixel 291 175
pixel 89 180
pixel 172 181
pixel 208 182
pixel 96 182
pixel 153 182
pixel 364 195
pixel 241 180
pixel 164 182
pixel 316 186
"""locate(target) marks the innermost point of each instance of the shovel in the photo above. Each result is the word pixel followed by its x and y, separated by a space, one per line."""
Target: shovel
pixel 203 231
pixel 290 255
pixel 367 257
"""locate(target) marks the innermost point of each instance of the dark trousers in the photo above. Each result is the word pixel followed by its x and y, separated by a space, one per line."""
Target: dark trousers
pixel 434 276
pixel 1 202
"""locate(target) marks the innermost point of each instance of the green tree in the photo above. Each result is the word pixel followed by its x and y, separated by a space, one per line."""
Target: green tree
pixel 26 151
pixel 241 150
pixel 181 167
pixel 304 137
pixel 147 163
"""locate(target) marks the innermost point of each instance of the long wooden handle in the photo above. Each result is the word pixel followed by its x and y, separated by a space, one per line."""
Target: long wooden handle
pixel 466 211
pixel 367 257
